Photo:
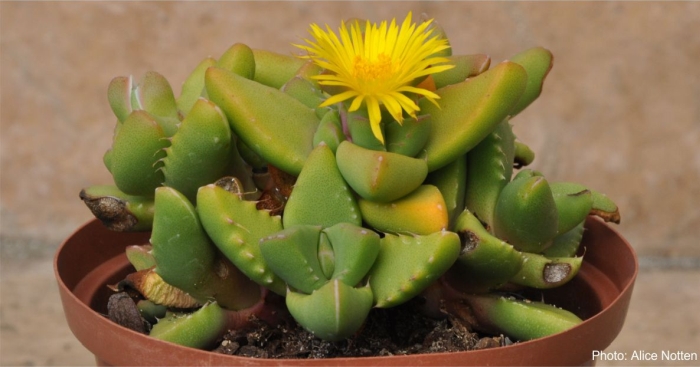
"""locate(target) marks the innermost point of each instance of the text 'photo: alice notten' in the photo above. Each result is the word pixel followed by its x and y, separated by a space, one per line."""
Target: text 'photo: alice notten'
pixel 642 355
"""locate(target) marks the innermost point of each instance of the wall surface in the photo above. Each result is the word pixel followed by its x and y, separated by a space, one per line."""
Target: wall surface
pixel 619 111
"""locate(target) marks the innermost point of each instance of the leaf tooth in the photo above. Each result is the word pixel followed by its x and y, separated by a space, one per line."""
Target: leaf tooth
pixel 500 163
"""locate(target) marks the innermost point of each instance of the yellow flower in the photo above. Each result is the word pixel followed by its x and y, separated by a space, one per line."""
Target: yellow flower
pixel 377 67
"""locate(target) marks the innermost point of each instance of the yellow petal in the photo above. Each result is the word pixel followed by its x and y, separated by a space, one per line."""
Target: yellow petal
pixel 375 118
pixel 356 103
pixel 394 107
pixel 378 64
pixel 338 98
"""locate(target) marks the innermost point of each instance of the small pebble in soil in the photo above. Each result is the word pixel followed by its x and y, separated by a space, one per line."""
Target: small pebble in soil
pixel 122 310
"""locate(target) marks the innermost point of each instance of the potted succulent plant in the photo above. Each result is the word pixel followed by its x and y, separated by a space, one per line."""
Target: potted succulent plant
pixel 375 169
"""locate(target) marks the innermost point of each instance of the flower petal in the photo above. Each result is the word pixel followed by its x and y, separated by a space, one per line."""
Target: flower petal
pixel 356 103
pixel 338 98
pixel 375 118
pixel 376 64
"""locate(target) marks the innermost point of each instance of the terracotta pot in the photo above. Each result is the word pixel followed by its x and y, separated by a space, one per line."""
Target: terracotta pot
pixel 93 257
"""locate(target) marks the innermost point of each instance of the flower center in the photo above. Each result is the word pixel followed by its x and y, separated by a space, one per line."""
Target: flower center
pixel 379 69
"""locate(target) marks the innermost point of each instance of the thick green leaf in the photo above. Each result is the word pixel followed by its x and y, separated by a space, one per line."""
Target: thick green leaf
pixel 334 312
pixel 138 146
pixel 119 96
pixel 421 212
pixel 274 69
pixel 537 63
pixel 193 87
pixel 406 265
pixel 573 207
pixel 184 254
pixel 321 196
pixel 542 272
pixel 274 125
pixel 469 111
pixel 354 251
pixel 197 330
pixel 292 254
pixel 526 214
pixel 236 227
pixel 407 138
pixel 566 244
pixel 466 66
pixel 490 167
pixel 379 176
pixel 485 261
pixel 451 181
pixel 199 151
pixel 238 59
pixel 521 320
pixel 330 131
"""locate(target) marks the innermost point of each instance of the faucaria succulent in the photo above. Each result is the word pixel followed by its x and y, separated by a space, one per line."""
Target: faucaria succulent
pixel 368 169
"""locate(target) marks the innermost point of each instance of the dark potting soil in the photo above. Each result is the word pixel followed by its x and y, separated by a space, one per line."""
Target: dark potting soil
pixel 399 330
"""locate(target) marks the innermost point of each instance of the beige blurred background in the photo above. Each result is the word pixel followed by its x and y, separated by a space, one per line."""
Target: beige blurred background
pixel 620 112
